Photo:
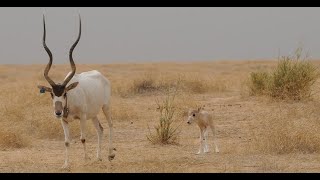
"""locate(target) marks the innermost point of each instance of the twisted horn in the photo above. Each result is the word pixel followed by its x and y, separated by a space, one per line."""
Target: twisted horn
pixel 73 66
pixel 46 71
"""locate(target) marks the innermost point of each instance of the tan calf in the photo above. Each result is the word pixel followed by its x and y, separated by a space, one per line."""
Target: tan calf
pixel 205 121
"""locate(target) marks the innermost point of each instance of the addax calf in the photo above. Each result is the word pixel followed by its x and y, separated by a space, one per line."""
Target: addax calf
pixel 205 121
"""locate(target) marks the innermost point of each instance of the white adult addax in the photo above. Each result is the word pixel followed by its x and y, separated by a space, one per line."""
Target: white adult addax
pixel 79 96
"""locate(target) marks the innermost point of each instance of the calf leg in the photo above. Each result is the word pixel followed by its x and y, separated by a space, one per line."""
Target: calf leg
pixel 214 138
pixel 206 148
pixel 201 142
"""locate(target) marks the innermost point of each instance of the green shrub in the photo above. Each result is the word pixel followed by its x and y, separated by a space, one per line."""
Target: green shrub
pixel 291 79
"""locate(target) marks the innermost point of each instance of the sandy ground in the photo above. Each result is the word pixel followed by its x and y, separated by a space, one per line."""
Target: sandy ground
pixel 235 116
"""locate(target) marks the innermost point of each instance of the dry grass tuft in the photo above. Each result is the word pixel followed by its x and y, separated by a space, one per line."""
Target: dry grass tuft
pixel 147 83
pixel 166 131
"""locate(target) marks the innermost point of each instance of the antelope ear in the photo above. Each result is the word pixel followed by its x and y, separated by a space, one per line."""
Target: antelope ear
pixel 71 86
pixel 43 89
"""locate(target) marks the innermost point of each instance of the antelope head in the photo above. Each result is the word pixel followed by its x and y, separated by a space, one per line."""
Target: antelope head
pixel 59 91
pixel 193 115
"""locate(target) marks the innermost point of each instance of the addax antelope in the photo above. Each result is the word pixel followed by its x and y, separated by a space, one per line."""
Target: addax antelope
pixel 79 96
pixel 204 121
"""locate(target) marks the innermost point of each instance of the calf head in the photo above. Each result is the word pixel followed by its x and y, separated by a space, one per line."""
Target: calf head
pixel 193 115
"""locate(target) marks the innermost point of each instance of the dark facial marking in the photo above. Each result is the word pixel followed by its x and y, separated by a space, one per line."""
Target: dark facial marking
pixel 58 90
pixel 83 140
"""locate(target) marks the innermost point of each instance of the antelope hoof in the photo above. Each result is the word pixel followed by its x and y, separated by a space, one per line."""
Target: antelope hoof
pixel 111 157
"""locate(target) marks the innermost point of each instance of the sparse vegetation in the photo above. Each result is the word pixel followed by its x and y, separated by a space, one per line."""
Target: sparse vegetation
pixel 260 82
pixel 291 79
pixel 144 84
pixel 285 133
pixel 147 83
pixel 151 83
pixel 165 132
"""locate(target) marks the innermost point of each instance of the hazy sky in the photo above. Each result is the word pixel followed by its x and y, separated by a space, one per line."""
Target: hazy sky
pixel 131 34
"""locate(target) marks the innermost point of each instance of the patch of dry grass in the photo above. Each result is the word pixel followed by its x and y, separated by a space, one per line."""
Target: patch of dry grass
pixel 291 129
pixel 121 111
pixel 11 139
pixel 152 83
pixel 200 85
pixel 12 134
pixel 148 83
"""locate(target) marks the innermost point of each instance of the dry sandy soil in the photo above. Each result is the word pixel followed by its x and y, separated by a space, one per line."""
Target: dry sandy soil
pixel 254 134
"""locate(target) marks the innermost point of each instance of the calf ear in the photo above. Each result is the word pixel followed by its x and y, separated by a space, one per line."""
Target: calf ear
pixel 71 86
pixel 44 88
